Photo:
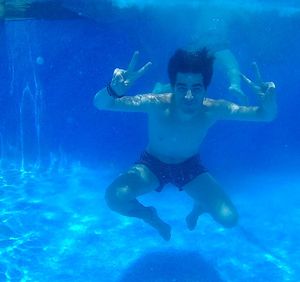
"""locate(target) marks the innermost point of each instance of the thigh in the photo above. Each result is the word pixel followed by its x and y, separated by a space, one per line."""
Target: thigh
pixel 205 190
pixel 138 180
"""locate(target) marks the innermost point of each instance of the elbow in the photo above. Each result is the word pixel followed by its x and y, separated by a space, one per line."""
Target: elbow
pixel 272 116
pixel 269 118
pixel 273 113
pixel 267 114
pixel 96 103
pixel 101 101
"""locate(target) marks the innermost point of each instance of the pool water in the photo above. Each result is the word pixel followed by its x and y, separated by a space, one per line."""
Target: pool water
pixel 55 226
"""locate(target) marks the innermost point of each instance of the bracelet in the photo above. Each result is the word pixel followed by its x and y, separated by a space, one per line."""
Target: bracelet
pixel 112 92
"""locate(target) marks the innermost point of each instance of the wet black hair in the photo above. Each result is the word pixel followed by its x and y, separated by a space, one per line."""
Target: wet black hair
pixel 184 61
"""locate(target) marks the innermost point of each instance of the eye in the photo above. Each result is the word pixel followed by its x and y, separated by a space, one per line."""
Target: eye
pixel 182 89
pixel 197 89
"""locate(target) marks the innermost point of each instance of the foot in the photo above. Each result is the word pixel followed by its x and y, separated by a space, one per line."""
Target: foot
pixel 163 228
pixel 191 220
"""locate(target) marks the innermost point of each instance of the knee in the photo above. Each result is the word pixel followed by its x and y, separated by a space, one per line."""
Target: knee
pixel 230 220
pixel 116 196
pixel 227 216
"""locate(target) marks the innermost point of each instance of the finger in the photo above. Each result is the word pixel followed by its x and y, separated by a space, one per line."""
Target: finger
pixel 252 84
pixel 118 75
pixel 247 80
pixel 257 73
pixel 135 75
pixel 270 87
pixel 117 71
pixel 133 61
pixel 271 84
pixel 143 69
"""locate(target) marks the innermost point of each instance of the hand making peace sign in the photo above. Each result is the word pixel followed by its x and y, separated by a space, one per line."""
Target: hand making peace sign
pixel 123 79
pixel 263 89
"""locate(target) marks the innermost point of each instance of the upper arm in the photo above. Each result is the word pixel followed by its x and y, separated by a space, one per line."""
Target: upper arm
pixel 137 103
pixel 230 111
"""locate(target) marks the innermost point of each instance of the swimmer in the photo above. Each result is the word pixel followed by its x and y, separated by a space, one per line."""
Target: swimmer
pixel 178 122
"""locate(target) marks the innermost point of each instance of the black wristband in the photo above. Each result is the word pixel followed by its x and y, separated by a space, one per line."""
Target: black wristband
pixel 112 92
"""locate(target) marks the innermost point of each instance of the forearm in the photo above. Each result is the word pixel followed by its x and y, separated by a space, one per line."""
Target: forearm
pixel 102 100
pixel 266 110
pixel 112 96
pixel 105 98
pixel 268 107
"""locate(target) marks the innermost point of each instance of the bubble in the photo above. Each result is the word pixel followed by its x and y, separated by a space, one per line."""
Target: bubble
pixel 40 60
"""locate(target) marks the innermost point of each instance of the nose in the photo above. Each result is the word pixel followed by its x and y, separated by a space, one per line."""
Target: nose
pixel 189 95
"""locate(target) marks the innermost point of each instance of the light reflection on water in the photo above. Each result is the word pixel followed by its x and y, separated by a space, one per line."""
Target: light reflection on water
pixel 56 227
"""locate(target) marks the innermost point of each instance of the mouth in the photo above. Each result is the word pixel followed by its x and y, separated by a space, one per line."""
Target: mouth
pixel 189 104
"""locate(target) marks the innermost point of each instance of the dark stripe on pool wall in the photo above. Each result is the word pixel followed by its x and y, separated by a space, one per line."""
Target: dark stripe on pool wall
pixel 50 10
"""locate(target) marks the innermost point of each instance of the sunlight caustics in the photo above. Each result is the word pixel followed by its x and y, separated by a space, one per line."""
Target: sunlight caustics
pixel 25 85
pixel 55 225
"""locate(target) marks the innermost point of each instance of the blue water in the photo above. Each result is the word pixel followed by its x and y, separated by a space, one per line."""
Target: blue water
pixel 58 153
pixel 55 227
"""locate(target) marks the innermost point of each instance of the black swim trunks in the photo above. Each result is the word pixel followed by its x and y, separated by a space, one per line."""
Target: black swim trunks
pixel 178 174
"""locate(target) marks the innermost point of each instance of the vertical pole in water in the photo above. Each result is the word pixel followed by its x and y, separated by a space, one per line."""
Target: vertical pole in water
pixel 25 89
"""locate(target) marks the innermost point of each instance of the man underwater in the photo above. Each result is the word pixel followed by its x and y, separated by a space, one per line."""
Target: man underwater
pixel 177 124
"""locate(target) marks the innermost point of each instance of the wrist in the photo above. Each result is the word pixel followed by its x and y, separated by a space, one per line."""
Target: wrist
pixel 111 92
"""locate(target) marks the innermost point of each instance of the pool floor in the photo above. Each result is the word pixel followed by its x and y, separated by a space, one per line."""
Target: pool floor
pixel 55 226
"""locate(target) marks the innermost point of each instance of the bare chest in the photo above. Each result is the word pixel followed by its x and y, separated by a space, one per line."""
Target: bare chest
pixel 176 136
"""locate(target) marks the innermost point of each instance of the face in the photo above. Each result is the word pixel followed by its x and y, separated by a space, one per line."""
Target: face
pixel 189 92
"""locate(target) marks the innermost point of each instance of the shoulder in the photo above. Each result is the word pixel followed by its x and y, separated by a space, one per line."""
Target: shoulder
pixel 160 102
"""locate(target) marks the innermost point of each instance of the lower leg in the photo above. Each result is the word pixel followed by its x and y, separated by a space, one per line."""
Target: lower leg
pixel 192 217
pixel 134 208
